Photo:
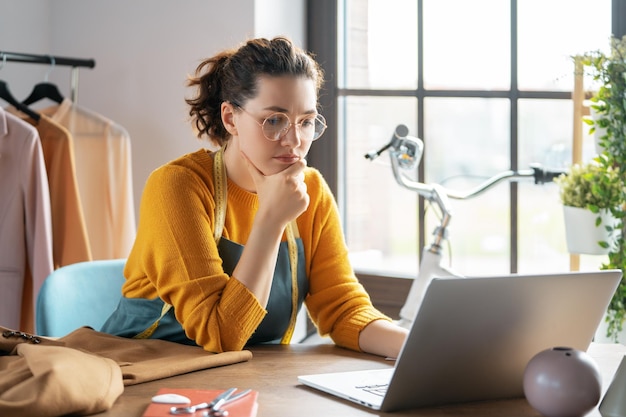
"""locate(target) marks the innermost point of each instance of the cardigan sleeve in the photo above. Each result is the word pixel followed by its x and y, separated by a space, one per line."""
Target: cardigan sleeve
pixel 337 303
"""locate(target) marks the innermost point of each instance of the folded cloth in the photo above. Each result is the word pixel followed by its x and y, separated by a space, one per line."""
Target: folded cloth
pixel 50 381
pixel 38 373
pixel 144 360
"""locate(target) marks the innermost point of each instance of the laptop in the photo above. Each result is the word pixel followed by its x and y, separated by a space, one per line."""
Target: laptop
pixel 472 338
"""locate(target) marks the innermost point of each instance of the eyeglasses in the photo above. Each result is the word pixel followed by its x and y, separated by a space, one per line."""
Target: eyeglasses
pixel 276 125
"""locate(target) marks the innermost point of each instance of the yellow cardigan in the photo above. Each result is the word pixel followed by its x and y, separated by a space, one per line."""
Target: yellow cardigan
pixel 175 257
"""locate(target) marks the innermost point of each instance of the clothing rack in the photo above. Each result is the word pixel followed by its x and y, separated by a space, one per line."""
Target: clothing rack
pixel 53 60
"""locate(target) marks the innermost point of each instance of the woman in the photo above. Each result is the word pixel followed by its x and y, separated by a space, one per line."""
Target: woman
pixel 231 243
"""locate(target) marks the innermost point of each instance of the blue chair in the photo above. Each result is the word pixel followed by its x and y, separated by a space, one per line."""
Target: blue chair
pixel 81 294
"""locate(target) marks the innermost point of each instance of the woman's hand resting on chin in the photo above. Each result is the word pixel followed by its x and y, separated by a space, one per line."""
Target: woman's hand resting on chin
pixel 282 196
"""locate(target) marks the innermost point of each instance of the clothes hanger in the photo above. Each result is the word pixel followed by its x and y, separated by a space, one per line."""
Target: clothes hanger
pixel 6 95
pixel 45 90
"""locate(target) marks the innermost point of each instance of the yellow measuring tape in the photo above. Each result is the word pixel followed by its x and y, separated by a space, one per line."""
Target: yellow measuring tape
pixel 292 233
pixel 219 175
pixel 146 334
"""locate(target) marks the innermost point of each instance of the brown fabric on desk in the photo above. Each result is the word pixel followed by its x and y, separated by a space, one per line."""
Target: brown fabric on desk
pixel 85 371
pixel 143 360
pixel 50 381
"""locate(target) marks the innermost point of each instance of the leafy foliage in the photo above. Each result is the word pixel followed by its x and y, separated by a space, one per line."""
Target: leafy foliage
pixel 610 99
pixel 610 104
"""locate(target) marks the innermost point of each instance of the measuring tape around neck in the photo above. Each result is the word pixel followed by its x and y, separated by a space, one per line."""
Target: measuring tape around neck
pixel 220 178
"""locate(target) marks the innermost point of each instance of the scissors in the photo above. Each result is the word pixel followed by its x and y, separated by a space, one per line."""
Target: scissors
pixel 214 406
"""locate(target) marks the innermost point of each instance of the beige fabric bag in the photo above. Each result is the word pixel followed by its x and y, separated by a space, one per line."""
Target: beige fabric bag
pixel 50 381
pixel 85 372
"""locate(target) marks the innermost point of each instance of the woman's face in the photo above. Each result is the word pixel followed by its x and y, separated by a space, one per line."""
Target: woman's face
pixel 294 96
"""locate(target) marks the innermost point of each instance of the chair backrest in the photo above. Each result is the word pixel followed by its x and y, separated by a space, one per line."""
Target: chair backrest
pixel 76 295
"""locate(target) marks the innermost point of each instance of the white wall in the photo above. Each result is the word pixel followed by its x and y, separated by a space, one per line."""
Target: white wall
pixel 286 15
pixel 144 50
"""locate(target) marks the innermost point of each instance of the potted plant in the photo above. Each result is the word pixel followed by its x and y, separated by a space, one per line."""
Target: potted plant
pixel 588 192
pixel 609 103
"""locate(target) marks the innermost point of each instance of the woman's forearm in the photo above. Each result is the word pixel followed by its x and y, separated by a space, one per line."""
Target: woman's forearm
pixel 383 338
pixel 256 266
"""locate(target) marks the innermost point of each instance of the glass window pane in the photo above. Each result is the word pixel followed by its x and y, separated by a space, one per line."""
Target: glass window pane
pixel 542 246
pixel 541 231
pixel 381 217
pixel 466 142
pixel 551 32
pixel 465 137
pixel 545 132
pixel 479 232
pixel 467 44
pixel 545 137
pixel 381 44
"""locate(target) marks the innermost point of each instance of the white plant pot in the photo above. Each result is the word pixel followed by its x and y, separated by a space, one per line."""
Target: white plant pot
pixel 581 233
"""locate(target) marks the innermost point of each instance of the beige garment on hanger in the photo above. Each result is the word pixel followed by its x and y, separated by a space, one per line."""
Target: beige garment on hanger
pixel 104 175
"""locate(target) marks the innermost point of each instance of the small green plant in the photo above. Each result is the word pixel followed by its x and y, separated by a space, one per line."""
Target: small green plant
pixel 593 185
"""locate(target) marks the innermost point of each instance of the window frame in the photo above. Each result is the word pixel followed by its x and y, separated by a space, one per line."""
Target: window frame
pixel 323 41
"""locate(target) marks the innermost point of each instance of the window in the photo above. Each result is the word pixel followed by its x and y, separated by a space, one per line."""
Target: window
pixel 487 85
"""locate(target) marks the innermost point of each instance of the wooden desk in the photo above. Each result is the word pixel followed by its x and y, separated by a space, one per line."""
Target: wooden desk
pixel 273 371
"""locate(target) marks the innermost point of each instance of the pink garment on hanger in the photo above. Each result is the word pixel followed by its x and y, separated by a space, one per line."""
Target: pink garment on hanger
pixel 25 220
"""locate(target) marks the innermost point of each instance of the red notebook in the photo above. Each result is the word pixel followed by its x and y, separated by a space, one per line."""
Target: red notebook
pixel 244 407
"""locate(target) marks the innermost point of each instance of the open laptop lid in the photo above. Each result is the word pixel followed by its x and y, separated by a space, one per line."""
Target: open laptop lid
pixel 472 337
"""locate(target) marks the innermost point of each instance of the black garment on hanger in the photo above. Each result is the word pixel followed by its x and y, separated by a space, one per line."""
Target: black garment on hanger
pixel 8 97
pixel 44 90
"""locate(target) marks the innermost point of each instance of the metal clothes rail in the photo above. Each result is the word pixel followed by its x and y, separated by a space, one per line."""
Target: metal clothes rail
pixel 53 60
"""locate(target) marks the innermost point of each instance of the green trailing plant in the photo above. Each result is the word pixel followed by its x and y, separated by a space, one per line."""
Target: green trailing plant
pixel 609 70
pixel 609 102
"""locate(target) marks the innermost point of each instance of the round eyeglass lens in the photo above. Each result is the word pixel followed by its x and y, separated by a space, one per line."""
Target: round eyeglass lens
pixel 277 125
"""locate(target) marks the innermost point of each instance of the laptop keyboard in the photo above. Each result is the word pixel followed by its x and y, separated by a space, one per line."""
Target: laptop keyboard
pixel 379 390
